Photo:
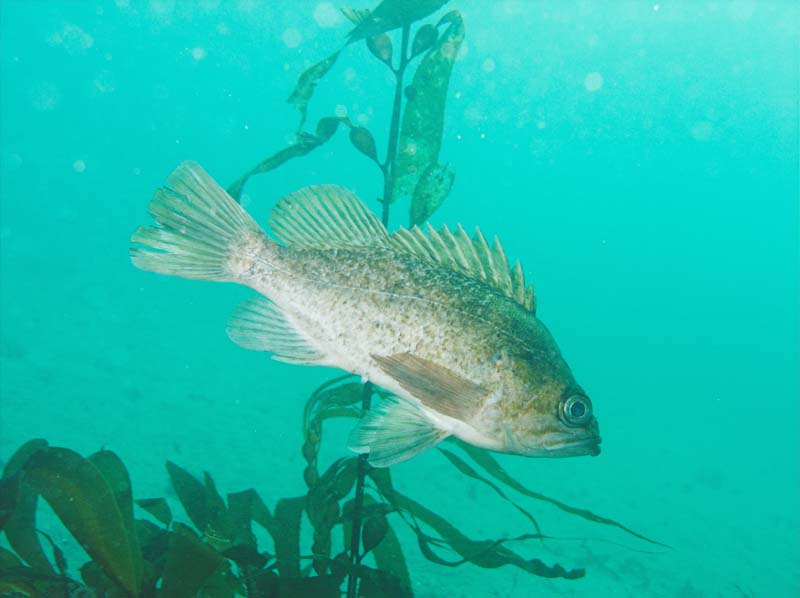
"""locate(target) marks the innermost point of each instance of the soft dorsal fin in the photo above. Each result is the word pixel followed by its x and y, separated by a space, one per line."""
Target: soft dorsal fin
pixel 470 256
pixel 326 217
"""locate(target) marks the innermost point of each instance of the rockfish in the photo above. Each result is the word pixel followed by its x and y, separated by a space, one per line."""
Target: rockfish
pixel 438 319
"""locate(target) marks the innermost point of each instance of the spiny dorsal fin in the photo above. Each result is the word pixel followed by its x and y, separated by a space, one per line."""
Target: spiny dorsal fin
pixel 470 256
pixel 325 217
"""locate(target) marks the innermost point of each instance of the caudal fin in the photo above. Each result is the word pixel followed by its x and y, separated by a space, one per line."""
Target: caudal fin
pixel 202 232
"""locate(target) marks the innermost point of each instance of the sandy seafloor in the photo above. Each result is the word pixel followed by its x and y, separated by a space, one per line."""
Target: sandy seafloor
pixel 656 214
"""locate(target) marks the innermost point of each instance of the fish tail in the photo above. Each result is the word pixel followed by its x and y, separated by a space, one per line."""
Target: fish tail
pixel 202 233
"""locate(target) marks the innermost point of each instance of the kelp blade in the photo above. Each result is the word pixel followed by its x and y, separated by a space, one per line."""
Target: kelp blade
pixel 493 468
pixel 86 504
pixel 306 143
pixel 20 527
pixel 423 119
pixel 392 14
pixel 189 564
pixel 488 554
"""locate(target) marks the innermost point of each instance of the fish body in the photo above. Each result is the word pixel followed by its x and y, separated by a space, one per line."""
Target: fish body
pixel 439 320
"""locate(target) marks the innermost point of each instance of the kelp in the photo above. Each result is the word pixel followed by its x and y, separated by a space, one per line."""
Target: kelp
pixel 346 531
pixel 218 554
pixel 423 119
pixel 486 461
pixel 20 524
pixel 392 14
pixel 488 554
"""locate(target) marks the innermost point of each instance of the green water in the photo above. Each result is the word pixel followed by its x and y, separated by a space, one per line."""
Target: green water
pixel 640 158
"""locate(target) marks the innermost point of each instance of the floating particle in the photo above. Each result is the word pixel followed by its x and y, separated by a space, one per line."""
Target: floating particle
pixel 199 53
pixel 488 65
pixel 45 96
pixel 79 166
pixel 341 110
pixel 326 15
pixel 72 38
pixel 593 81
pixel 291 37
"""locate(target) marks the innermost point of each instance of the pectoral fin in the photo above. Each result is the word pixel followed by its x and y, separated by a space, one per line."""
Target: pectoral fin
pixel 436 386
pixel 393 431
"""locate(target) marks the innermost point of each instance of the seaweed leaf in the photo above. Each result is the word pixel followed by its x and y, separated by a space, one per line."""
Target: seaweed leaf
pixel 191 493
pixel 355 15
pixel 306 84
pixel 392 14
pixel 158 508
pixel 288 512
pixel 364 142
pixel 389 557
pixel 488 463
pixel 8 559
pixel 118 479
pixel 430 192
pixel 423 120
pixel 9 496
pixel 240 509
pixel 331 399
pixel 189 564
pixel 154 543
pixel 58 555
pixel 381 47
pixel 373 532
pixel 465 468
pixel 82 498
pixel 321 586
pixel 388 553
pixel 322 506
pixel 20 527
pixel 94 577
pixel 483 553
pixel 424 38
pixel 306 143
pixel 262 515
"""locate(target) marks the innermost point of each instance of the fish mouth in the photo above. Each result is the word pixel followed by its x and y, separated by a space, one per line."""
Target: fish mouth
pixel 574 448
pixel 590 446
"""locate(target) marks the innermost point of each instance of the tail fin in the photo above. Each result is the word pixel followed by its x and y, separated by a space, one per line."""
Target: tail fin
pixel 203 233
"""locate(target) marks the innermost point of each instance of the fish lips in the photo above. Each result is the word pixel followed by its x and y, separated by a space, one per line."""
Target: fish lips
pixel 578 448
pixel 567 446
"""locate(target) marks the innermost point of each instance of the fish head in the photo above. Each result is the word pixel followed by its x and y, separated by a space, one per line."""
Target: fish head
pixel 546 413
pixel 554 424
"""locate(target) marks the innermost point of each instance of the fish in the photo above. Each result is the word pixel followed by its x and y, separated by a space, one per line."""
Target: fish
pixel 436 318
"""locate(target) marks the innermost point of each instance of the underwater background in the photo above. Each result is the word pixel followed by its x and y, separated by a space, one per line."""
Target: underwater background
pixel 640 158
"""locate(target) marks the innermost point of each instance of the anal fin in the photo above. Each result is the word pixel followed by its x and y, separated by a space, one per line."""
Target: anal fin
pixel 394 431
pixel 260 325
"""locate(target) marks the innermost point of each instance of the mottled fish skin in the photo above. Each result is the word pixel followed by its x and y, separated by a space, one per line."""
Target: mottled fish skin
pixel 465 358
pixel 362 301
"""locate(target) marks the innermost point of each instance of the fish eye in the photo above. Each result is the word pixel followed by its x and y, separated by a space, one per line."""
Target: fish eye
pixel 576 410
